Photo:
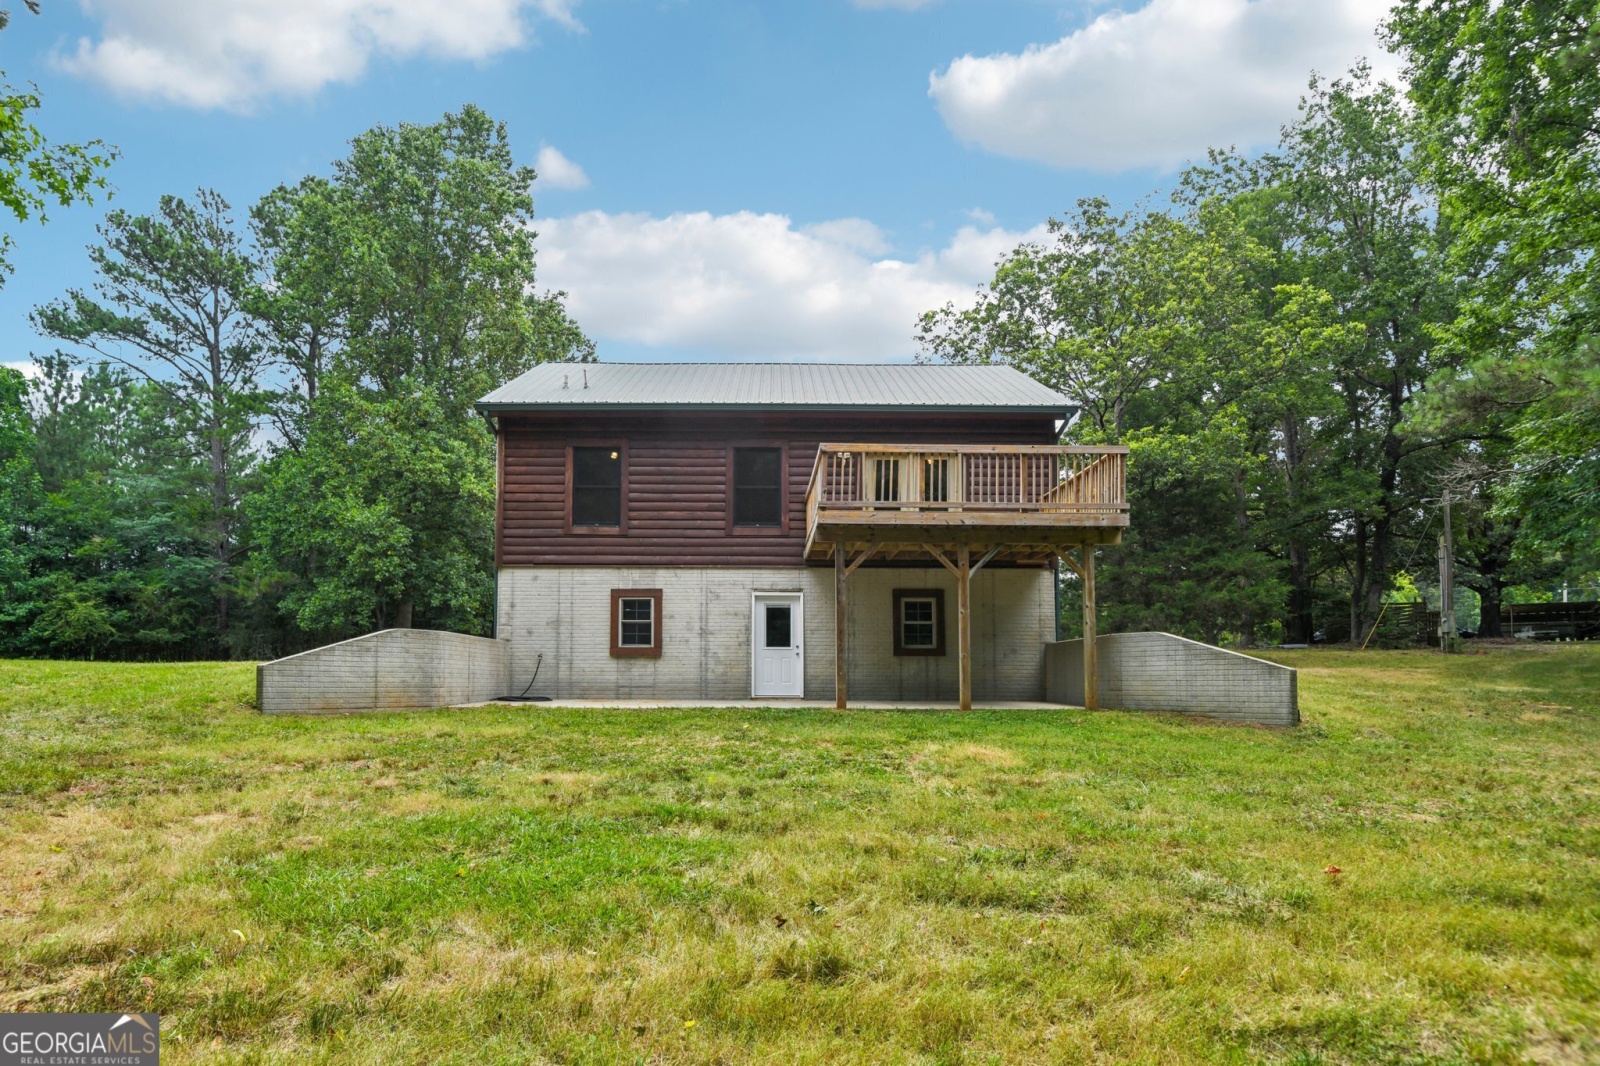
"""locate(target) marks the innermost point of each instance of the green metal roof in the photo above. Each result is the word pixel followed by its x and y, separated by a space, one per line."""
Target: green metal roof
pixel 794 386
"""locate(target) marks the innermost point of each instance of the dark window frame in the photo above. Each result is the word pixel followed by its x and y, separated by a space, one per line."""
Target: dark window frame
pixel 635 651
pixel 937 596
pixel 621 448
pixel 782 528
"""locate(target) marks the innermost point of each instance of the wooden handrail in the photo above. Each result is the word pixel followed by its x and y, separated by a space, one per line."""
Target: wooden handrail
pixel 1027 478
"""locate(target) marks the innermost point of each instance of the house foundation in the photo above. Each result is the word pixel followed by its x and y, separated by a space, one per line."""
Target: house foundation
pixel 564 615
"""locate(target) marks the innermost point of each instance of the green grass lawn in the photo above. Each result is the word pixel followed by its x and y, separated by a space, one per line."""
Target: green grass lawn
pixel 524 884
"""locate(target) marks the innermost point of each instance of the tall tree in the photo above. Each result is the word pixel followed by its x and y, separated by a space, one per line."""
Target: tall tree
pixel 417 254
pixel 1510 94
pixel 1353 213
pixel 168 306
pixel 302 295
pixel 402 289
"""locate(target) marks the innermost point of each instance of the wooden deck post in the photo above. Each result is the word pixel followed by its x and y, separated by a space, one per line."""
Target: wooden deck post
pixel 841 604
pixel 1091 665
pixel 964 623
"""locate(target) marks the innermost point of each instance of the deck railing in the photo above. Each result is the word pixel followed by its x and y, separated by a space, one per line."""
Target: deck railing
pixel 1055 484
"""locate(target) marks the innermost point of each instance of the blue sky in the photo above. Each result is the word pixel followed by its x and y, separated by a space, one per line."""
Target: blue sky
pixel 719 180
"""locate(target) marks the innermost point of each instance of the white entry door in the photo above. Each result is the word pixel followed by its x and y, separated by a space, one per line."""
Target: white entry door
pixel 778 647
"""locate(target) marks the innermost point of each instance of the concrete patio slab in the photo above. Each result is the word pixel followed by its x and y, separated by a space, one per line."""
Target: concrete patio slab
pixel 768 704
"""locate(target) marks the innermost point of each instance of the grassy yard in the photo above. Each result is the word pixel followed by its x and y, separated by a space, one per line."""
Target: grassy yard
pixel 1411 877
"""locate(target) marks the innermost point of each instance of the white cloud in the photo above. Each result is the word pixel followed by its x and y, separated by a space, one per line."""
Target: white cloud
pixel 556 171
pixel 1159 85
pixel 26 367
pixel 756 286
pixel 231 53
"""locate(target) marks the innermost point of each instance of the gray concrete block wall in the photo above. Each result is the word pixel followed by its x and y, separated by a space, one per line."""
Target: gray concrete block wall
pixel 1164 672
pixel 565 614
pixel 392 669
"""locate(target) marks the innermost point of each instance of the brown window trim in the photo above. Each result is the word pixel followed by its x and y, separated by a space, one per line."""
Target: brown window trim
pixel 636 652
pixel 782 528
pixel 937 595
pixel 621 447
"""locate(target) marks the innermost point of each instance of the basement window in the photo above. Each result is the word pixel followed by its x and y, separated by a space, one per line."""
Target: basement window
pixel 636 623
pixel 919 621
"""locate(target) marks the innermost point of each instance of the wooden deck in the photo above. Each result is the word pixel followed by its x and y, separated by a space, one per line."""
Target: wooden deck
pixel 1024 502
pixel 963 507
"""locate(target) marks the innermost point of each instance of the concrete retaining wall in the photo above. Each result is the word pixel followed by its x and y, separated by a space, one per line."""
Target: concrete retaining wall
pixel 1163 672
pixel 392 669
pixel 564 613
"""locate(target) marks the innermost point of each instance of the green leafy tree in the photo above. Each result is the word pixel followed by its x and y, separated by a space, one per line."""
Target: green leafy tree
pixel 386 511
pixel 302 295
pixel 106 528
pixel 1345 198
pixel 400 289
pixel 1510 94
pixel 34 173
pixel 1169 335
pixel 168 307
pixel 18 481
pixel 413 265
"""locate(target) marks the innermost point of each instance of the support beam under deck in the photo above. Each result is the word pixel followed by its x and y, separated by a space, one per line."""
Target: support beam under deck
pixel 1091 634
pixel 841 610
pixel 964 623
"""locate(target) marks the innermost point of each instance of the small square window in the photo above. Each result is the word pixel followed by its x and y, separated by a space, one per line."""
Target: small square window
pixel 919 621
pixel 638 623
pixel 635 623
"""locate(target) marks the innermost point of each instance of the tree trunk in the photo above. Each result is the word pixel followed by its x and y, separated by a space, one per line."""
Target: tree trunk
pixel 220 510
pixel 1301 627
pixel 1358 582
pixel 1489 596
pixel 1381 560
pixel 1490 545
pixel 402 612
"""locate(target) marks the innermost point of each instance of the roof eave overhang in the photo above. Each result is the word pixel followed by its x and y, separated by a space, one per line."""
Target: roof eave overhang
pixel 513 407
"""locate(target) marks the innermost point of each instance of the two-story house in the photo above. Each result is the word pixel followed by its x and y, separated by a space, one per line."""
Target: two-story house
pixel 727 531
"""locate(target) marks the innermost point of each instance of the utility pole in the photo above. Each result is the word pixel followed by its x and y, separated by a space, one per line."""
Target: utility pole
pixel 1449 639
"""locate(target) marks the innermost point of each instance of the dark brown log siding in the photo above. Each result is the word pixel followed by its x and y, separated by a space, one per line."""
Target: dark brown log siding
pixel 677 480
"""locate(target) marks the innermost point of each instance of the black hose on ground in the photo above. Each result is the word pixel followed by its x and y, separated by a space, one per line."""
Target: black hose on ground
pixel 525 698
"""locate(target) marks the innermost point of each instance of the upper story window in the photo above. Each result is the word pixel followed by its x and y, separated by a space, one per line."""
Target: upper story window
pixel 597 486
pixel 758 488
